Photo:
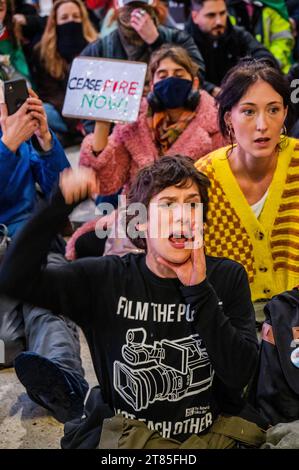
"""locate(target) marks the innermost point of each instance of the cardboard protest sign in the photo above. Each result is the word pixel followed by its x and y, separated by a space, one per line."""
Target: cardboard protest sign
pixel 104 89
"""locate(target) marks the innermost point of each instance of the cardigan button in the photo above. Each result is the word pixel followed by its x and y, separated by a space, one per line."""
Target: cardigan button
pixel 259 235
pixel 267 291
pixel 263 269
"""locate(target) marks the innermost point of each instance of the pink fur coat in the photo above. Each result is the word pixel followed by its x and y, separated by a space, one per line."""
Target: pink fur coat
pixel 131 147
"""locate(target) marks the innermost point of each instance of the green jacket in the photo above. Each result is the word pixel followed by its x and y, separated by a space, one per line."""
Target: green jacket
pixel 279 6
pixel 17 58
pixel 274 32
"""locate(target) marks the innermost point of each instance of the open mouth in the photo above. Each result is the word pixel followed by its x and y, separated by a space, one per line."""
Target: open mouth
pixel 262 140
pixel 179 240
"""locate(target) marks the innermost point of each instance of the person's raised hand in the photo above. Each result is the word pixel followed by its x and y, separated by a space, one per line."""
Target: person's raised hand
pixel 144 25
pixel 37 111
pixel 100 136
pixel 18 127
pixel 78 184
pixel 193 270
pixel 20 19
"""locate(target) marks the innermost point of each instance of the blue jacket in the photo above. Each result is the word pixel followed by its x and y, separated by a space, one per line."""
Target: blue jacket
pixel 19 173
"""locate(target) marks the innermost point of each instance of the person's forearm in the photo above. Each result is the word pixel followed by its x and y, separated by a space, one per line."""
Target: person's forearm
pixel 11 143
pixel 114 159
pixel 100 136
pixel 26 257
pixel 8 164
pixel 48 165
pixel 25 275
pixel 232 355
pixel 46 142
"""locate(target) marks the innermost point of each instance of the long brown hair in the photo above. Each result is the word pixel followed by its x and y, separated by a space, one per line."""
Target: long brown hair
pixel 55 65
pixel 13 29
pixel 241 77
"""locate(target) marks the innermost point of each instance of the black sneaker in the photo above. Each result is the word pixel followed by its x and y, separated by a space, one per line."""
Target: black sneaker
pixel 50 386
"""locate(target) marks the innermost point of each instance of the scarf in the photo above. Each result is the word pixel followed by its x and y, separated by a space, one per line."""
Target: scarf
pixel 165 132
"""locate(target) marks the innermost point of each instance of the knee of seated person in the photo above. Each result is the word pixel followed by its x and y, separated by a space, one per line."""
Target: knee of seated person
pixel 9 350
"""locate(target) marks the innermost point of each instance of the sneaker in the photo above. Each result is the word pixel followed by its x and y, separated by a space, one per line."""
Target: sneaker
pixel 50 386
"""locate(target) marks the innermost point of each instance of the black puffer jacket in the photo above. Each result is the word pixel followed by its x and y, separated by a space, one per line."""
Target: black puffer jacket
pixel 221 54
pixel 110 47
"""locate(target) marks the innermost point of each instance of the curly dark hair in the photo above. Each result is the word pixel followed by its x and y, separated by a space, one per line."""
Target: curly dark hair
pixel 168 171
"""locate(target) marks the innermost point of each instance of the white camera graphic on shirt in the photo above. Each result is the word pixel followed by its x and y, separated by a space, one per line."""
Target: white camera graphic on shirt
pixel 168 370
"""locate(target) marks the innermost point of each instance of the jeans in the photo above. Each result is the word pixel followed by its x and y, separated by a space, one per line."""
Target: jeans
pixel 55 120
pixel 26 327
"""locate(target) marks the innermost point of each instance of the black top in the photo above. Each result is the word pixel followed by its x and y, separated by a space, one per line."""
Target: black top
pixel 110 46
pixel 171 355
pixel 293 9
pixel 223 53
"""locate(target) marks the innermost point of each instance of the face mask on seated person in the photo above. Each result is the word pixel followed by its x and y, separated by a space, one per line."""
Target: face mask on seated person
pixel 173 92
pixel 70 40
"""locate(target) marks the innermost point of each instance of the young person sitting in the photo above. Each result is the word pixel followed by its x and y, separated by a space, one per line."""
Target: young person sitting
pixel 43 348
pixel 254 213
pixel 171 332
pixel 176 117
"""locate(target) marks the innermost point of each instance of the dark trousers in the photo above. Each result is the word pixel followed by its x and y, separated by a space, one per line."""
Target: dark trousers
pixel 25 327
pixel 12 334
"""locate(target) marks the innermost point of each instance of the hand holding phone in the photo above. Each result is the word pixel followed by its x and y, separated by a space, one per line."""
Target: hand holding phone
pixel 38 112
pixel 17 128
pixel 15 94
pixel 30 119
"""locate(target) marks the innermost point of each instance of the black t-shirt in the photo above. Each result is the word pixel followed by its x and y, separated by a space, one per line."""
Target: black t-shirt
pixel 170 355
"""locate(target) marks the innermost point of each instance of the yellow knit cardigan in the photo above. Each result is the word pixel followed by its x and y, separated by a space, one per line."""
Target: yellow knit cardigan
pixel 267 247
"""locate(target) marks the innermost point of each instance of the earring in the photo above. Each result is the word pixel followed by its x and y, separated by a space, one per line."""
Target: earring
pixel 229 130
pixel 284 130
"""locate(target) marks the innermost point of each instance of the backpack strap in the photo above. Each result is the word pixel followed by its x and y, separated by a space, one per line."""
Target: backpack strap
pixel 282 314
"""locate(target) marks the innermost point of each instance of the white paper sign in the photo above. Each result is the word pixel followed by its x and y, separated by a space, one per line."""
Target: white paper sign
pixel 104 89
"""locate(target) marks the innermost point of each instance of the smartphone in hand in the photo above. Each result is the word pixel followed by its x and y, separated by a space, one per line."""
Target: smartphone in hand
pixel 15 94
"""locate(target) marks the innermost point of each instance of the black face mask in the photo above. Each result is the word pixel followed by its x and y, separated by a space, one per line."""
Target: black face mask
pixel 173 91
pixel 70 40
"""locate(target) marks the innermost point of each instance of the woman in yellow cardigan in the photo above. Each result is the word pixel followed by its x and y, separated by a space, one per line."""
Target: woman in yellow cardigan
pixel 253 213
